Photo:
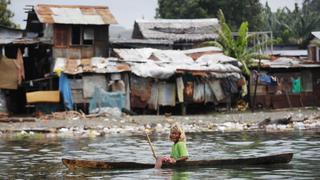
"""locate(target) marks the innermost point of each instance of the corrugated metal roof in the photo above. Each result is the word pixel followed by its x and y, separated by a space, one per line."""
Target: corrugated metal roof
pixel 9 35
pixel 177 29
pixel 316 34
pixel 289 53
pixel 284 62
pixel 141 41
pixel 93 65
pixel 134 54
pixel 202 49
pixel 215 58
pixel 69 14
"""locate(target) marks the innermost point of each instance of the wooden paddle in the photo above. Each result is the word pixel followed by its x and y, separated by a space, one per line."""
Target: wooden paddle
pixel 151 146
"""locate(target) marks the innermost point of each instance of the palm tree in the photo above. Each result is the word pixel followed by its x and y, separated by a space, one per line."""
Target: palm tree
pixel 236 47
pixel 292 26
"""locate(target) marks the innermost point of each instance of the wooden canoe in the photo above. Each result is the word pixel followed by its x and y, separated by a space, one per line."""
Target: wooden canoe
pixel 73 164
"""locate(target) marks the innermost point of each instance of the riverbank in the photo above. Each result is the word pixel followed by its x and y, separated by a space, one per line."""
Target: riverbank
pixel 66 124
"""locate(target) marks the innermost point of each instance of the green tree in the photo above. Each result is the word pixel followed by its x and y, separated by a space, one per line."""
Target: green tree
pixel 235 46
pixel 236 11
pixel 314 5
pixel 293 26
pixel 300 23
pixel 6 14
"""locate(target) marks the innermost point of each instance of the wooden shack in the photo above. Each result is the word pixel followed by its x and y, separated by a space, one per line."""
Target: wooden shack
pixel 73 31
pixel 285 83
pixel 314 47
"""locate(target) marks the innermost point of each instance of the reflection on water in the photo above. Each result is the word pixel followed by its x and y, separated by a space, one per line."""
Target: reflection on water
pixel 40 158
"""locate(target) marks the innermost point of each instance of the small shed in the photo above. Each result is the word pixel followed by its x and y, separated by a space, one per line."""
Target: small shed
pixel 314 47
pixel 173 79
pixel 284 83
pixel 185 33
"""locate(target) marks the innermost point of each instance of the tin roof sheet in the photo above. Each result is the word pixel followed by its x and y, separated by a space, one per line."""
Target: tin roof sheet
pixel 288 53
pixel 285 62
pixel 202 50
pixel 71 14
pixel 316 34
pixel 177 29
pixel 92 65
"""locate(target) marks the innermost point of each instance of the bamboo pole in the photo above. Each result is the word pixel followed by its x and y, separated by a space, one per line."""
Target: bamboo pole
pixel 151 146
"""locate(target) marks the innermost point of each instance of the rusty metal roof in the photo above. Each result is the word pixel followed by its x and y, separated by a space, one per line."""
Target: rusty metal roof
pixel 74 14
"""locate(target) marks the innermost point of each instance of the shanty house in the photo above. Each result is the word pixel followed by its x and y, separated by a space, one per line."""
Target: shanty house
pixel 183 33
pixel 14 67
pixel 178 80
pixel 72 37
pixel 285 83
pixel 314 47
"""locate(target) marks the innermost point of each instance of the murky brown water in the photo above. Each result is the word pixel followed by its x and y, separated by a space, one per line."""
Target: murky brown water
pixel 40 158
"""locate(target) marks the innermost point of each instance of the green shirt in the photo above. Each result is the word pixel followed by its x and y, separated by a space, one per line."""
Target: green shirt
pixel 178 150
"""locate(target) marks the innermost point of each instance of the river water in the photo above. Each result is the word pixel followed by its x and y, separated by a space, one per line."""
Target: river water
pixel 39 157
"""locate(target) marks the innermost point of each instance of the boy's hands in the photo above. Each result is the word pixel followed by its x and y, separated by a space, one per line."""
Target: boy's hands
pixel 172 161
pixel 169 160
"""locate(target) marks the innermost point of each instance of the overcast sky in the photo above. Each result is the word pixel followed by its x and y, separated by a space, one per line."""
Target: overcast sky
pixel 125 11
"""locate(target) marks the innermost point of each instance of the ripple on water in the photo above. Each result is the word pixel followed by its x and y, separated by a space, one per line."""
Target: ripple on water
pixel 22 150
pixel 7 153
pixel 44 150
pixel 270 176
pixel 45 160
pixel 245 143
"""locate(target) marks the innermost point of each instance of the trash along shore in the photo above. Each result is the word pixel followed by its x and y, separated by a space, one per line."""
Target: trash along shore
pixel 75 124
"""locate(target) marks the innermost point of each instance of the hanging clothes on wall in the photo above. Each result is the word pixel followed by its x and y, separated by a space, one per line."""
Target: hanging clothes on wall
pixel 217 89
pixel 153 100
pixel 209 95
pixel 140 91
pixel 8 73
pixel 167 94
pixel 198 91
pixel 180 88
pixel 65 90
pixel 20 66
pixel 296 85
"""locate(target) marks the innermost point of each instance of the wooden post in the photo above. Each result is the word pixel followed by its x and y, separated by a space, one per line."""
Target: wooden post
pixel 183 109
pixel 255 87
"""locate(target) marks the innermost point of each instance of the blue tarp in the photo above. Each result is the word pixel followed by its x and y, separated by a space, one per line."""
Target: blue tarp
pixel 65 90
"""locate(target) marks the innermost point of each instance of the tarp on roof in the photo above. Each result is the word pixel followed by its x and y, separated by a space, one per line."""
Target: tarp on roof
pixel 208 59
pixel 162 64
pixel 74 14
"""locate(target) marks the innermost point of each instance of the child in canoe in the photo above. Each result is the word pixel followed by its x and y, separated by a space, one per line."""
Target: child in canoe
pixel 179 150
